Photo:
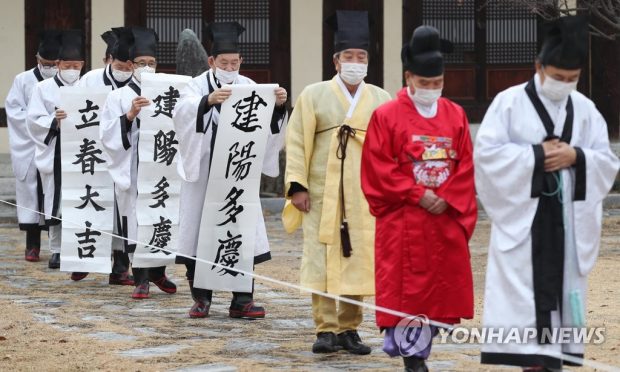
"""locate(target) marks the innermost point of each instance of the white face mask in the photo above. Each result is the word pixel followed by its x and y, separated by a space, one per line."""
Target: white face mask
pixel 425 97
pixel 142 70
pixel 48 71
pixel 70 76
pixel 353 73
pixel 121 76
pixel 226 77
pixel 557 90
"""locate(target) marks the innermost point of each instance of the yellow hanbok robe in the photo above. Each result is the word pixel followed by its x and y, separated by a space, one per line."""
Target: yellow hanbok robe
pixel 311 160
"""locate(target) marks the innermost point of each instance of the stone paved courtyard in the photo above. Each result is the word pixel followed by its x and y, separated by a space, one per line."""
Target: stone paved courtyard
pixel 49 322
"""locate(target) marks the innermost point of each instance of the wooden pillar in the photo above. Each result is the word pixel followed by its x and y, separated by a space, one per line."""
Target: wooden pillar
pixel 605 79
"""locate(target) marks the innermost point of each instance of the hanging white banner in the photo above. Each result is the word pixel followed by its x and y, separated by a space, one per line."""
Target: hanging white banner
pixel 87 188
pixel 159 183
pixel 232 211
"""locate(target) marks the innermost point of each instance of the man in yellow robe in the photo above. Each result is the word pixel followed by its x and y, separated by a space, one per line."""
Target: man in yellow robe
pixel 323 152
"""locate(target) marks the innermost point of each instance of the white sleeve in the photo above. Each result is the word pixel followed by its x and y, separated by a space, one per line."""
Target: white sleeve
pixel 192 119
pixel 601 168
pixel 15 104
pixel 275 143
pixel 115 135
pixel 43 128
pixel 16 107
pixel 503 174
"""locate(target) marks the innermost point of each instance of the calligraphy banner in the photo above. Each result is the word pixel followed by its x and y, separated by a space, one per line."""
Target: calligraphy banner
pixel 87 188
pixel 232 208
pixel 159 183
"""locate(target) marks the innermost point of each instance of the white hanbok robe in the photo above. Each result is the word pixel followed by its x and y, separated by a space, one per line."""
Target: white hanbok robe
pixel 102 77
pixel 504 165
pixel 119 138
pixel 44 130
pixel 28 192
pixel 99 78
pixel 195 123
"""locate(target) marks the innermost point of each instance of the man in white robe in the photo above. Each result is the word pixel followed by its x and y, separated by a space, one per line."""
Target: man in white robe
pixel 28 188
pixel 110 38
pixel 196 120
pixel 116 74
pixel 44 119
pixel 543 167
pixel 119 131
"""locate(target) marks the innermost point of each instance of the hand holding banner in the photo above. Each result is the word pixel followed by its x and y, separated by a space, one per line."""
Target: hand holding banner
pixel 232 211
pixel 87 189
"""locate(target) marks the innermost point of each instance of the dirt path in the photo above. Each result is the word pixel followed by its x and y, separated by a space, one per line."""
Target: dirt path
pixel 51 323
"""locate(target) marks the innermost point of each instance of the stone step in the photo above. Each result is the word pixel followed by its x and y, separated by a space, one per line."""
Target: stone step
pixel 6 170
pixel 8 213
pixel 7 186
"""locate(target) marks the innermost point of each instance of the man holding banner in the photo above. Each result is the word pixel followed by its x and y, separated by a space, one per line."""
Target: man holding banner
pixel 119 133
pixel 222 178
pixel 44 118
pixel 116 74
pixel 323 154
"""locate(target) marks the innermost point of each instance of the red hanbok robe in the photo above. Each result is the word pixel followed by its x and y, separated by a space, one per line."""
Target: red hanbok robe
pixel 422 261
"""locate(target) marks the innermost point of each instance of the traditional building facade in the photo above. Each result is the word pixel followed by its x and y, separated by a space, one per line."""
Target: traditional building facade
pixel 287 42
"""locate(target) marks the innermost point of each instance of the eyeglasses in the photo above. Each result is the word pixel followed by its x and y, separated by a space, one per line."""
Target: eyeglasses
pixel 144 64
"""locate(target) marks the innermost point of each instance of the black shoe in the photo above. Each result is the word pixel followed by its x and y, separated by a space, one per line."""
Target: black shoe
pixel 120 262
pixel 157 275
pixel 202 301
pixel 165 285
pixel 351 342
pixel 54 262
pixel 32 254
pixel 326 342
pixel 415 364
pixel 246 311
pixel 121 279
pixel 77 276
pixel 141 291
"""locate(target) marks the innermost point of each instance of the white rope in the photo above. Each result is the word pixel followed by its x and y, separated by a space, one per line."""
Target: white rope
pixel 373 307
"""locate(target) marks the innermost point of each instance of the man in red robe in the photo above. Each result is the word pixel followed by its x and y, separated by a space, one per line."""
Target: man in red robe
pixel 418 177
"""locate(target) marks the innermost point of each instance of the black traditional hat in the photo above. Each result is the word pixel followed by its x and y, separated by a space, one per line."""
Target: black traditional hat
pixel 224 37
pixel 124 43
pixel 422 55
pixel 110 38
pixel 566 43
pixel 351 30
pixel 144 42
pixel 71 48
pixel 49 44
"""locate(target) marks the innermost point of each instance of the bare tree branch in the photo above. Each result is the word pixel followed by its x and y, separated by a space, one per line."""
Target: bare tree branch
pixel 605 11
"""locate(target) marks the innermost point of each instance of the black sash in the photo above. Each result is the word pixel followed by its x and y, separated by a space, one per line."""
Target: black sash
pixel 106 79
pixel 109 80
pixel 548 224
pixel 203 106
pixel 55 132
pixel 135 87
pixel 37 74
pixel 138 91
pixel 58 82
pixel 344 133
pixel 57 184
